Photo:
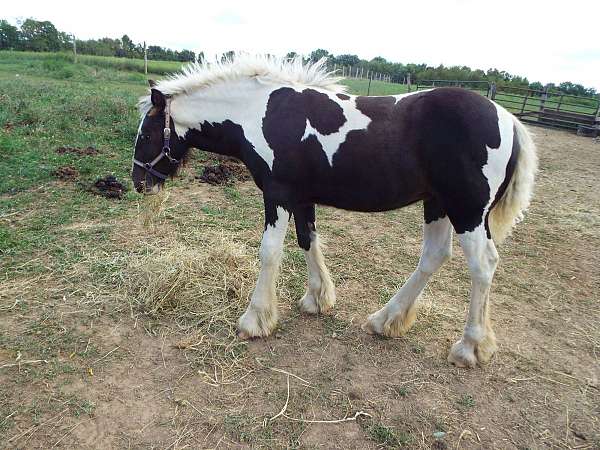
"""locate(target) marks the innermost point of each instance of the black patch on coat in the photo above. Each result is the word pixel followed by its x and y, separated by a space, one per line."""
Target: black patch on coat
pixel 325 115
pixel 455 127
pixel 287 111
pixel 343 96
pixel 432 210
pixel 304 219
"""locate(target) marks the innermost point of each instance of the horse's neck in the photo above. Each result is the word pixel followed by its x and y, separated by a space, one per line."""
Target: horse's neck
pixel 212 114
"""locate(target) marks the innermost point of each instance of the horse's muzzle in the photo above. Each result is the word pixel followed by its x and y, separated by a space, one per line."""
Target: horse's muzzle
pixel 147 189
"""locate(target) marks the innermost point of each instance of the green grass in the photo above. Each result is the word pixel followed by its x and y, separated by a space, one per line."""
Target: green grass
pixel 42 109
pixel 387 437
pixel 358 86
pixel 466 401
pixel 33 59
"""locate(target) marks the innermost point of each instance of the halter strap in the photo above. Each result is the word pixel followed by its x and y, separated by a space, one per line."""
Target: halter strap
pixel 166 149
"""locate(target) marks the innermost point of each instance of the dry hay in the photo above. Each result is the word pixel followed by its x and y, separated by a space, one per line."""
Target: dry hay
pixel 151 208
pixel 204 287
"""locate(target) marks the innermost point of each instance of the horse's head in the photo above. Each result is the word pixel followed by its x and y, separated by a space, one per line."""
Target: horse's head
pixel 158 150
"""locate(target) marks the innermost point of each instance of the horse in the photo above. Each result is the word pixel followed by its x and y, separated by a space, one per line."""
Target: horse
pixel 307 142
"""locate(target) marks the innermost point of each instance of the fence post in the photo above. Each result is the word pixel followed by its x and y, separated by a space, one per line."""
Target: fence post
pixel 544 98
pixel 408 81
pixel 74 48
pixel 369 86
pixel 559 102
pixel 145 59
pixel 493 90
pixel 524 102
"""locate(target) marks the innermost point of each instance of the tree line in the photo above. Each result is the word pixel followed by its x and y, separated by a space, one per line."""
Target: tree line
pixel 399 72
pixel 42 36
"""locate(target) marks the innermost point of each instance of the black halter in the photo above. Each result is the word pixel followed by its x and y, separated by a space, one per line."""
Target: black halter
pixel 166 149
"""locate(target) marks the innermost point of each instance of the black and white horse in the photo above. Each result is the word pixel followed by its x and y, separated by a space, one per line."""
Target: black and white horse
pixel 306 142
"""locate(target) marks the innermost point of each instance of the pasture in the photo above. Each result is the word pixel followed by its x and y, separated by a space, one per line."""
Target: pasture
pixel 117 330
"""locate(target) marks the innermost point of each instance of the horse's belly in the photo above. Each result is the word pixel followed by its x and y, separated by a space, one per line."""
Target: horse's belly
pixel 368 197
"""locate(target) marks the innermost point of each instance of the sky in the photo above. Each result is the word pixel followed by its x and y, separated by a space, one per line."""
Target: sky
pixel 546 41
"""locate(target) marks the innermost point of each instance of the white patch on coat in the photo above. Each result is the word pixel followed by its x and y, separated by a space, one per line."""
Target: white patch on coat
pixel 355 120
pixel 243 101
pixel 497 158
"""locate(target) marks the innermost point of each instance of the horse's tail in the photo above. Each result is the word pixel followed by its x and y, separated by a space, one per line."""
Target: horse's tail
pixel 508 211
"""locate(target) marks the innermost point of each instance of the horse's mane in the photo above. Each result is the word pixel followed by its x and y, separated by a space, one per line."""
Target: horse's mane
pixel 292 71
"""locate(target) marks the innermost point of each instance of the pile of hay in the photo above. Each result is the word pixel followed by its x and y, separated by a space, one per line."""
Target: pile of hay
pixel 203 286
pixel 200 281
pixel 212 279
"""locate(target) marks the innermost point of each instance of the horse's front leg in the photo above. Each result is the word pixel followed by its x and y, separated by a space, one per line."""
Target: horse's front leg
pixel 320 295
pixel 260 318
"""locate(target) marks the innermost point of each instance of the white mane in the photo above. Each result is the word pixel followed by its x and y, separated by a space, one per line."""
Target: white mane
pixel 275 69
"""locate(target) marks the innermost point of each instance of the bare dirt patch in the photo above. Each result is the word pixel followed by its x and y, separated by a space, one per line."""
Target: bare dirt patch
pixel 225 172
pixel 121 373
pixel 80 151
pixel 66 173
pixel 108 187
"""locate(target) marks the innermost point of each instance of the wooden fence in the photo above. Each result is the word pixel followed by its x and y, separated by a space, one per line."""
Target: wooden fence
pixel 551 109
pixel 544 108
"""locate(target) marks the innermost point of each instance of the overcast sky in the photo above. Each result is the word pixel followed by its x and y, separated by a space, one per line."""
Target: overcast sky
pixel 547 41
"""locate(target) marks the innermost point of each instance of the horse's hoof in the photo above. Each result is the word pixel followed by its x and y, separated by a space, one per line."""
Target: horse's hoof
pixel 374 323
pixel 462 355
pixel 308 304
pixel 255 324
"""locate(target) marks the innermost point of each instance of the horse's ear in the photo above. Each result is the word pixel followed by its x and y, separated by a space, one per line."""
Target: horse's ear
pixel 152 83
pixel 158 98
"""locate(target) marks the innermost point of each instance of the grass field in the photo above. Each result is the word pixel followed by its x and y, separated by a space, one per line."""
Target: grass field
pixel 92 358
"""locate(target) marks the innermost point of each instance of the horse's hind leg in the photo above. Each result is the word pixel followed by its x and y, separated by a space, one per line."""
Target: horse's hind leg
pixel 398 315
pixel 320 295
pixel 478 342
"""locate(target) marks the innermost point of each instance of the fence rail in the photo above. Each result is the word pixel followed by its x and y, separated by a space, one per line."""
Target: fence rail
pixel 551 109
pixel 546 108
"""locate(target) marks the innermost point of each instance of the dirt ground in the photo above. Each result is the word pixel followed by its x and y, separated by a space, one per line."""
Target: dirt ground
pixel 81 366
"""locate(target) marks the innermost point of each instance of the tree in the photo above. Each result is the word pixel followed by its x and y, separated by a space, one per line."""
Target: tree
pixel 536 86
pixel 319 53
pixel 291 55
pixel 127 44
pixel 40 36
pixel 347 60
pixel 9 35
pixel 186 55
